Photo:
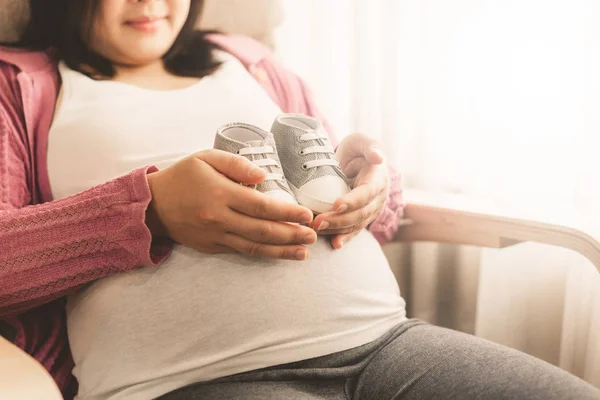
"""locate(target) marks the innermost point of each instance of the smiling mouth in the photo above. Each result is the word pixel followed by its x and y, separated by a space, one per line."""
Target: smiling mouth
pixel 145 24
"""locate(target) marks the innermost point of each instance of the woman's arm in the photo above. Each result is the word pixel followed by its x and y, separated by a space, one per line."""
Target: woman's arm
pixel 48 250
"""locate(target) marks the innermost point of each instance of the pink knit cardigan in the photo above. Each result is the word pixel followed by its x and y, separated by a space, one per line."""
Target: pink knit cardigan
pixel 50 248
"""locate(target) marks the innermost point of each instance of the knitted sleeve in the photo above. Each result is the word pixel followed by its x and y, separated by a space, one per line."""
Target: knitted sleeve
pixel 50 249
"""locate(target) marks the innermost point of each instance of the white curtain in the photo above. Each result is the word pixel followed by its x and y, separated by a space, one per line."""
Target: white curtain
pixel 487 97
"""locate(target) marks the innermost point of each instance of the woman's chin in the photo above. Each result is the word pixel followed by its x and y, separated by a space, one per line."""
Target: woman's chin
pixel 145 52
pixel 143 58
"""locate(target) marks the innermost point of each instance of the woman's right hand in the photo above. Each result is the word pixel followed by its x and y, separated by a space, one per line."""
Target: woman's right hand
pixel 197 202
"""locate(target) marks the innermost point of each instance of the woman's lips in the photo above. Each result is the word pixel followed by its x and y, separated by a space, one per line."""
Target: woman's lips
pixel 145 24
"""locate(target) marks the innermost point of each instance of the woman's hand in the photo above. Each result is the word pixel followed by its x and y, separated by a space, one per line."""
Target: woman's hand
pixel 198 203
pixel 364 164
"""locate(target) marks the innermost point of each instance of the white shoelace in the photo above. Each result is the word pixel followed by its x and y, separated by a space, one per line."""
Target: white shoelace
pixel 263 162
pixel 322 149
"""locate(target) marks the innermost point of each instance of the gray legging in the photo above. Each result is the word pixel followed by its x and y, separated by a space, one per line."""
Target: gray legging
pixel 412 361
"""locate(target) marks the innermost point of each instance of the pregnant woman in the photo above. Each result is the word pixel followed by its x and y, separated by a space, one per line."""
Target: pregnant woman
pixel 180 282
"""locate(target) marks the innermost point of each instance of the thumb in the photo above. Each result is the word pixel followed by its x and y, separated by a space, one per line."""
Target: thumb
pixel 373 154
pixel 359 145
pixel 236 168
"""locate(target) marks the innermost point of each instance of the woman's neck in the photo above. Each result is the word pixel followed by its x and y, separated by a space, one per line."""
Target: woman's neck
pixel 152 76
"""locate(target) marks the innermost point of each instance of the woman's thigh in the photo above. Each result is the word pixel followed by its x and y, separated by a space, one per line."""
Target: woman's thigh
pixel 315 389
pixel 428 362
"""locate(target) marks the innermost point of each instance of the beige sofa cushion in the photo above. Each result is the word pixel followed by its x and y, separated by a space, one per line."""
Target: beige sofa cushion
pixel 255 18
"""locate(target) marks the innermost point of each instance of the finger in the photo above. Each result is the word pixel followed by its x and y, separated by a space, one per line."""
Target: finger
pixel 269 232
pixel 255 249
pixel 219 249
pixel 343 231
pixel 258 205
pixel 235 167
pixel 359 145
pixel 339 241
pixel 339 223
pixel 213 249
pixel 365 193
pixel 374 155
pixel 333 232
pixel 354 167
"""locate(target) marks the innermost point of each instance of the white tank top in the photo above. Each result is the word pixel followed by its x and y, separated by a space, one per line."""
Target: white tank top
pixel 197 317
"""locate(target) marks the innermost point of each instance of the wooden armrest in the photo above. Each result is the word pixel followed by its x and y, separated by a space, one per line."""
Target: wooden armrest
pixel 22 377
pixel 480 222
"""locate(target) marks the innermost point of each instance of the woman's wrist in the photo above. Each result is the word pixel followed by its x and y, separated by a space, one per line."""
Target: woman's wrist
pixel 153 221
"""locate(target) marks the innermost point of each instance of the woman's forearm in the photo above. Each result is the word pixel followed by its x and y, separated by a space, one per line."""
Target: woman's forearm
pixel 47 250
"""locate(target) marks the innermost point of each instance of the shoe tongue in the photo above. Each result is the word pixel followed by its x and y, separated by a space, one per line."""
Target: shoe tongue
pixel 268 186
pixel 285 129
pixel 255 143
pixel 268 141
pixel 233 146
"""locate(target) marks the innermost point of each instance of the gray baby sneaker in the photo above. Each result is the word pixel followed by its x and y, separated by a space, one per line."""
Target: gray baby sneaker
pixel 309 162
pixel 259 147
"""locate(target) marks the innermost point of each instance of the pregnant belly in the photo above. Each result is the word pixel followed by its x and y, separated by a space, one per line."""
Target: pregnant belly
pixel 224 305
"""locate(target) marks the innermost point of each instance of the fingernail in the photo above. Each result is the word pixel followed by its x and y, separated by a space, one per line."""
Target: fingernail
pixel 301 255
pixel 341 208
pixel 304 218
pixel 376 149
pixel 255 173
pixel 324 225
pixel 380 154
pixel 308 239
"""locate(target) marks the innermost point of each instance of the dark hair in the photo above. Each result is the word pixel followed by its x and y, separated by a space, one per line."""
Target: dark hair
pixel 66 27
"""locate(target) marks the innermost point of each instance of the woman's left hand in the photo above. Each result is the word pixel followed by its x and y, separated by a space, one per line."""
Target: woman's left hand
pixel 363 163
